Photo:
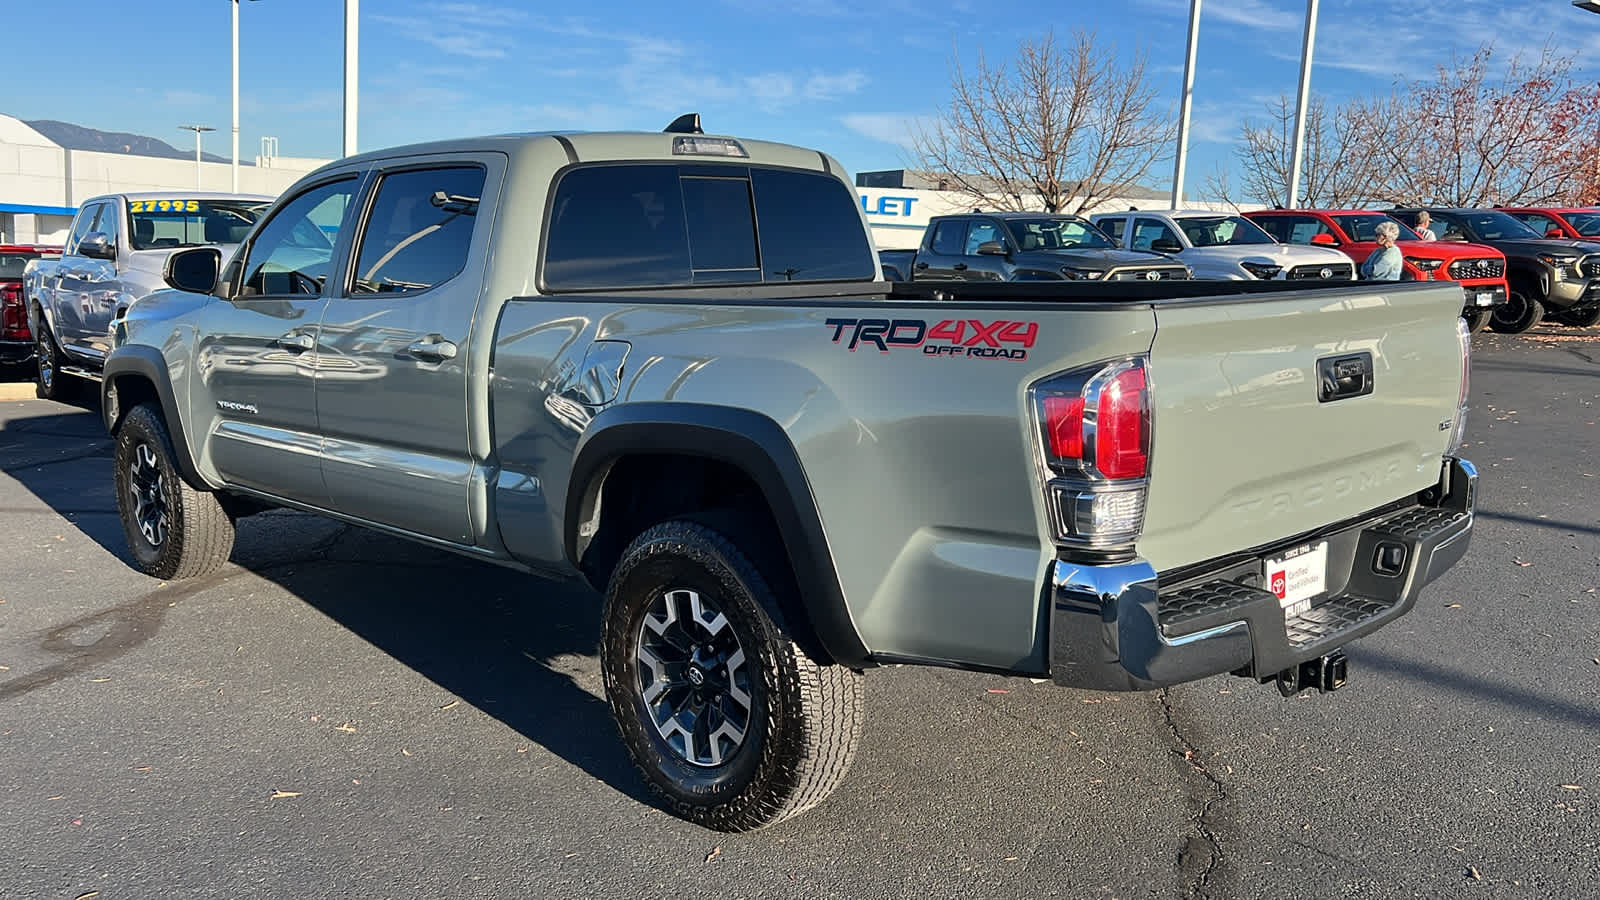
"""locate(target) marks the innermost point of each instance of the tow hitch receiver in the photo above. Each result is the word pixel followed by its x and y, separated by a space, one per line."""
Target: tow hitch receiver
pixel 1325 673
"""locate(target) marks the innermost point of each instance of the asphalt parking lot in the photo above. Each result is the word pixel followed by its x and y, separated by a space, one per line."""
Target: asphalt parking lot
pixel 342 714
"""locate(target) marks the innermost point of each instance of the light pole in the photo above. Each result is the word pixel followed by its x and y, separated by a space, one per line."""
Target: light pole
pixel 1183 106
pixel 1300 108
pixel 197 129
pixel 351 43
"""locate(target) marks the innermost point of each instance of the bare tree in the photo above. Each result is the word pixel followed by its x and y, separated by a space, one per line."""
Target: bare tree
pixel 1055 129
pixel 1525 138
pixel 1340 166
pixel 1465 138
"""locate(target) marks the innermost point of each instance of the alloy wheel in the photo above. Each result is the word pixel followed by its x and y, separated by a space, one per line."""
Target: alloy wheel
pixel 47 361
pixel 147 489
pixel 694 678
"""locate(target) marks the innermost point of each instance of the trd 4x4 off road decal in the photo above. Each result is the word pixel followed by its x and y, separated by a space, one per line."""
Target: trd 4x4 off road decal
pixel 960 338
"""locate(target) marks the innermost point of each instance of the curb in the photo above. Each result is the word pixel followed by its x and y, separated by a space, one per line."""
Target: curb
pixel 16 390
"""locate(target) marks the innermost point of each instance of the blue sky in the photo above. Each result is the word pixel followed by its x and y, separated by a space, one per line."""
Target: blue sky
pixel 844 77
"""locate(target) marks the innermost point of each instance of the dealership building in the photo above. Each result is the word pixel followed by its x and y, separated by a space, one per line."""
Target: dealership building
pixel 898 204
pixel 43 181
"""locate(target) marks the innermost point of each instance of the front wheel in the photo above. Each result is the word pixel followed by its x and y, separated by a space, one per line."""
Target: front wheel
pixel 1519 313
pixel 730 722
pixel 1582 318
pixel 51 384
pixel 1476 319
pixel 173 530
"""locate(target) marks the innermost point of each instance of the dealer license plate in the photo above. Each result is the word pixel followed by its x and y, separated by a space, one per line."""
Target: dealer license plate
pixel 1298 576
pixel 1486 299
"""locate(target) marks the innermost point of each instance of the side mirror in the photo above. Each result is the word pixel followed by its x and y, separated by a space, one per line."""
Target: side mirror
pixel 1325 239
pixel 991 248
pixel 194 270
pixel 96 245
pixel 1166 245
pixel 1555 233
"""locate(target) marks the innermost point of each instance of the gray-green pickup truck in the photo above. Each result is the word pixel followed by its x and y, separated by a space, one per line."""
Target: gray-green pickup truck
pixel 667 364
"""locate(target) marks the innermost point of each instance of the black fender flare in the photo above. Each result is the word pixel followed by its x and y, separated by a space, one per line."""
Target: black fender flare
pixel 759 447
pixel 146 364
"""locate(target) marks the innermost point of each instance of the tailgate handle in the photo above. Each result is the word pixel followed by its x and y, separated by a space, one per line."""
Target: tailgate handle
pixel 1342 377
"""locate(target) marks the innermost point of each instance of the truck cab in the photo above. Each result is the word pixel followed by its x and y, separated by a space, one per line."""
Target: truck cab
pixel 115 253
pixel 1223 246
pixel 1480 269
pixel 1032 247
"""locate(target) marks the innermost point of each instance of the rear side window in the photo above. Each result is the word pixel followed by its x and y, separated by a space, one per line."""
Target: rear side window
pixel 420 230
pixel 620 226
pixel 950 237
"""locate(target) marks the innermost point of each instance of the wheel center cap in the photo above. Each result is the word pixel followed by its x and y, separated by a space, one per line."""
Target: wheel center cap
pixel 696 676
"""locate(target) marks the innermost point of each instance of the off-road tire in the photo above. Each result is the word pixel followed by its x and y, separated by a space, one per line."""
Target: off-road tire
pixel 49 383
pixel 805 717
pixel 1584 318
pixel 197 536
pixel 1477 319
pixel 1519 313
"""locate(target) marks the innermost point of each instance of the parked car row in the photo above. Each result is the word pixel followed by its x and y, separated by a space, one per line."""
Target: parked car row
pixel 63 308
pixel 1516 267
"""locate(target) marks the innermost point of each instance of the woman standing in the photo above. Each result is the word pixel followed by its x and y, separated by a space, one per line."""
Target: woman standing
pixel 1385 262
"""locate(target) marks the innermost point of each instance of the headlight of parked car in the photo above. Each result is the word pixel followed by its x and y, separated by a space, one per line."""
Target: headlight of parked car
pixel 1264 271
pixel 1562 264
pixel 1072 274
pixel 1428 266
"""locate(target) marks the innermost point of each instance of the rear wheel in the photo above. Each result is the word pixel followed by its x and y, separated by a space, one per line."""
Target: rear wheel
pixel 730 722
pixel 173 530
pixel 1583 318
pixel 1519 313
pixel 1477 319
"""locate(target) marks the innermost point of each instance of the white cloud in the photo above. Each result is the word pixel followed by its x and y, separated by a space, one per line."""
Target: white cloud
pixel 831 87
pixel 891 128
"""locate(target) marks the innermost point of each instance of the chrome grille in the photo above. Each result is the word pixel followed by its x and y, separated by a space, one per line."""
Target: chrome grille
pixel 1335 272
pixel 1464 269
pixel 1170 274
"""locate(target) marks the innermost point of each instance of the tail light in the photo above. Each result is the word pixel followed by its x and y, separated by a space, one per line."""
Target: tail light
pixel 13 314
pixel 1094 441
pixel 1459 434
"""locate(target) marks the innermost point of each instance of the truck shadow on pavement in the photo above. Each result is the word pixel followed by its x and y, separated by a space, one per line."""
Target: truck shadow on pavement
pixel 517 647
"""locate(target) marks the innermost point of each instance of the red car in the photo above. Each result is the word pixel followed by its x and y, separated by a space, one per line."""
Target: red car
pixel 1480 270
pixel 1558 223
pixel 16 341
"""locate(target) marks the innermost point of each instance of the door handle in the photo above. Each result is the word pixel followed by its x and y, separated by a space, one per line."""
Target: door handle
pixel 434 349
pixel 921 265
pixel 960 267
pixel 297 340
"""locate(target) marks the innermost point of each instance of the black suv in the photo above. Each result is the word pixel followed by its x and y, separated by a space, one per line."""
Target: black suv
pixel 1558 278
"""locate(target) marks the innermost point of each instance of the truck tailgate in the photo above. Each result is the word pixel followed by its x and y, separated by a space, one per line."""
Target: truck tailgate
pixel 1245 451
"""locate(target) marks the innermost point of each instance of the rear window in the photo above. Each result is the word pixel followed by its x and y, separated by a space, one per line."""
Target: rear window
pixel 12 263
pixel 658 225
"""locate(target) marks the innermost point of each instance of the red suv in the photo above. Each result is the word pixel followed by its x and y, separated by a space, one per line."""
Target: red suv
pixel 16 342
pixel 1480 270
pixel 1558 223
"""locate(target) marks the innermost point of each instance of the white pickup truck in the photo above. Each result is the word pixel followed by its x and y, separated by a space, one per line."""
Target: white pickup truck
pixel 1222 246
pixel 116 253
